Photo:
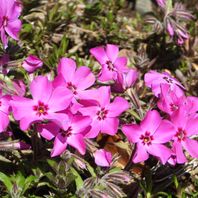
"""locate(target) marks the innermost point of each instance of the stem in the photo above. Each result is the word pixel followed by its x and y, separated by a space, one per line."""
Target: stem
pixel 134 99
pixel 130 162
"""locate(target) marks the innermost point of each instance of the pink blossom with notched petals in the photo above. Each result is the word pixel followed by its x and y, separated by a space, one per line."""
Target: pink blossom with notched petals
pixel 184 128
pixel 72 134
pixel 31 63
pixel 154 80
pixel 9 22
pixel 46 104
pixel 102 158
pixel 110 62
pixel 78 80
pixel 169 102
pixel 125 81
pixel 150 136
pixel 4 111
pixel 104 113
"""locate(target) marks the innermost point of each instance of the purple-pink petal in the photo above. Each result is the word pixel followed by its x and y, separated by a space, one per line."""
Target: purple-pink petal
pixel 141 154
pixel 77 141
pixel 112 52
pixel 60 145
pixel 109 126
pixel 117 107
pixel 102 158
pixel 164 132
pixel 151 121
pixel 191 146
pixel 132 132
pixel 160 151
pixel 41 89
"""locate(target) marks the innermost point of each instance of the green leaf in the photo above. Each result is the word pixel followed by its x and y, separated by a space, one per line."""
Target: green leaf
pixel 28 181
pixel 175 181
pixel 78 179
pixel 6 181
pixel 169 5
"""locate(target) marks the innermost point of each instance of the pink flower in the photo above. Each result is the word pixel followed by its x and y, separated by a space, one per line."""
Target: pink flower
pixel 150 136
pixel 4 112
pixel 125 81
pixel 103 113
pixel 169 102
pixel 154 80
pixel 110 62
pixel 75 79
pixel 9 22
pixel 184 128
pixel 31 63
pixel 45 105
pixel 103 158
pixel 72 134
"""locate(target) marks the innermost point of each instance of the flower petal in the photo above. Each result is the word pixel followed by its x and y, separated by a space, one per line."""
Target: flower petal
pixel 117 107
pixel 48 131
pixel 60 99
pixel 99 54
pixel 160 151
pixel 132 132
pixel 141 154
pixel 60 145
pixel 109 126
pixel 102 158
pixel 191 146
pixel 164 132
pixel 13 28
pixel 121 64
pixel 77 142
pixel 112 52
pixel 4 121
pixel 66 68
pixel 151 121
pixel 41 89
pixel 177 146
pixel 83 78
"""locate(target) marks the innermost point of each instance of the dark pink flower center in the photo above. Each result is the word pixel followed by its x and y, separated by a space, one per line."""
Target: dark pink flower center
pixel 72 87
pixel 110 66
pixel 41 109
pixel 167 79
pixel 0 103
pixel 102 114
pixel 146 138
pixel 66 133
pixel 180 135
pixel 5 21
pixel 173 107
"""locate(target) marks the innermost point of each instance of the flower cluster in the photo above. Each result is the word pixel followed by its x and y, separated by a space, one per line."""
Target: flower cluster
pixel 180 125
pixel 74 106
pixel 71 107
pixel 77 104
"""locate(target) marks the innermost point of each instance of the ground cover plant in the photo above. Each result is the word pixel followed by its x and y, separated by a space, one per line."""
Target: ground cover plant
pixel 98 98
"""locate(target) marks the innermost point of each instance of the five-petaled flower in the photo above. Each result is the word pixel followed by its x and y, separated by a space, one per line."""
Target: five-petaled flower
pixel 46 104
pixel 150 136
